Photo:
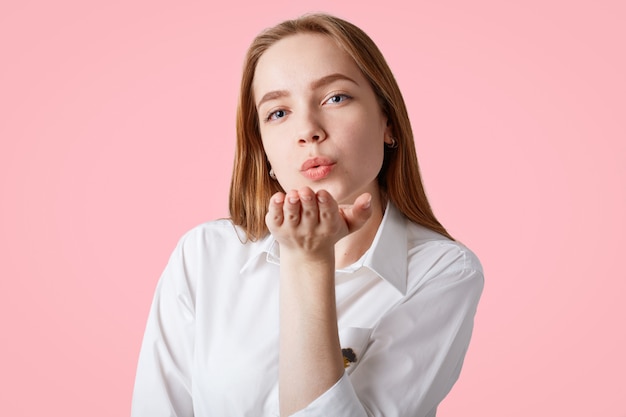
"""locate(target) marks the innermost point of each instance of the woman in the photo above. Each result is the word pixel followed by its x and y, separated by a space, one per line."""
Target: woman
pixel 332 290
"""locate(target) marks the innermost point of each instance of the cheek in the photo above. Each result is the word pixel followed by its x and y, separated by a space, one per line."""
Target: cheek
pixel 276 154
pixel 366 137
pixel 268 145
pixel 363 120
pixel 274 143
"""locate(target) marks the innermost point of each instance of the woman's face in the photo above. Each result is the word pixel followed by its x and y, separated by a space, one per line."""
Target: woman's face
pixel 320 122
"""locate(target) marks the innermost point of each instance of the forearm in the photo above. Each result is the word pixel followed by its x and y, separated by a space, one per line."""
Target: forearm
pixel 310 354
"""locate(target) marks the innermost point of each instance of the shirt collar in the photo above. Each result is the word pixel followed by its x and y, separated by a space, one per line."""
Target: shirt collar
pixel 387 256
pixel 263 246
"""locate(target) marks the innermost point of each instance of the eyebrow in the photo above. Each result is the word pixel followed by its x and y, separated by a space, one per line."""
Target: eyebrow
pixel 328 79
pixel 272 95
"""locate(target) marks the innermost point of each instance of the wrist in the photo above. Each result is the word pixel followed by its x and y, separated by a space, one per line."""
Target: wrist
pixel 305 258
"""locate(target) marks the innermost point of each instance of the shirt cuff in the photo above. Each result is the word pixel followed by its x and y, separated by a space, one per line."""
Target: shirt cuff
pixel 339 400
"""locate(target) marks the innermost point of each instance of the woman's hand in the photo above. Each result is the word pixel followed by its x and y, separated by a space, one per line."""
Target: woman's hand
pixel 312 223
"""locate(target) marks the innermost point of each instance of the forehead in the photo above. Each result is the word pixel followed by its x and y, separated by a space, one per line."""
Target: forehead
pixel 297 60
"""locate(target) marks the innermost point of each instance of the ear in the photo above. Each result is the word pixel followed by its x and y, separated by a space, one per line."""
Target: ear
pixel 389 140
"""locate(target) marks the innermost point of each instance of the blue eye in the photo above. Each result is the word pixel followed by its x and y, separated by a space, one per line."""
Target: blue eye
pixel 338 98
pixel 275 115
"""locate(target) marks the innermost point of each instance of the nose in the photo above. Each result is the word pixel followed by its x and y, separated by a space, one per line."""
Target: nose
pixel 310 130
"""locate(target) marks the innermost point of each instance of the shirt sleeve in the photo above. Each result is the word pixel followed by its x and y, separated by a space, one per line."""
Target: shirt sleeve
pixel 416 351
pixel 163 382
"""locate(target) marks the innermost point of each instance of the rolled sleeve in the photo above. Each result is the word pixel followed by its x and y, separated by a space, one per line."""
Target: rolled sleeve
pixel 338 400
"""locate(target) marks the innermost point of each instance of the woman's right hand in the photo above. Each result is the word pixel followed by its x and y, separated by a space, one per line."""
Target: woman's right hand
pixel 311 223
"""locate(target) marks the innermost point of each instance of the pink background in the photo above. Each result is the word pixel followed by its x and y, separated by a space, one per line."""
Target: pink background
pixel 117 133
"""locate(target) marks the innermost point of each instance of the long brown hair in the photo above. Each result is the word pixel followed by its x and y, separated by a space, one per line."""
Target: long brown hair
pixel 399 178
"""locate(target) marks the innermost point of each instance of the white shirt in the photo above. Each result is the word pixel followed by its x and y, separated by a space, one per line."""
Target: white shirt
pixel 210 349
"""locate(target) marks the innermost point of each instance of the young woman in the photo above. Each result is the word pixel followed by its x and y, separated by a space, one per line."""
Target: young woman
pixel 332 290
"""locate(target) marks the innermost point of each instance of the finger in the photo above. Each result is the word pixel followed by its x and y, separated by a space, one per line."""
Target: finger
pixel 309 214
pixel 291 208
pixel 358 213
pixel 327 206
pixel 274 217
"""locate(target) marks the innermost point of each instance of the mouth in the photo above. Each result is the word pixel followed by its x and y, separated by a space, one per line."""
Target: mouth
pixel 317 168
pixel 316 162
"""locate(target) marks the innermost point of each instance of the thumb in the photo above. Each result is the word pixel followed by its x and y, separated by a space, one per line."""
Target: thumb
pixel 358 213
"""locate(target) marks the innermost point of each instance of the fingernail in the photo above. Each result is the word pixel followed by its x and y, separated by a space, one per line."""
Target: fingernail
pixel 321 199
pixel 305 197
pixel 293 200
pixel 278 200
pixel 368 203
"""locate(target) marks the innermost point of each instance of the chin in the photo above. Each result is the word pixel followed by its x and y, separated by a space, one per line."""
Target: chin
pixel 340 193
pixel 342 198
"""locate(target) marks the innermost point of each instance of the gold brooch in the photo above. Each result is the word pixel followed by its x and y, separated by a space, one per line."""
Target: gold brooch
pixel 348 357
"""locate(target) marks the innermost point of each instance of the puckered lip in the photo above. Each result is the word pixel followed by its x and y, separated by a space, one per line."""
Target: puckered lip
pixel 316 162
